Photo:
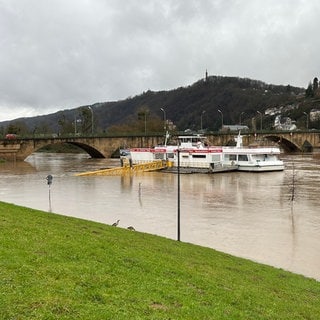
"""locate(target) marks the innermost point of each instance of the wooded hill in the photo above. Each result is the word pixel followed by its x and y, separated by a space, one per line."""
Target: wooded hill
pixel 238 99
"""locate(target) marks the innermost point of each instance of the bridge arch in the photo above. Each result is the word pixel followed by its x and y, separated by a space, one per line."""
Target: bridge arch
pixel 284 143
pixel 93 153
pixel 22 148
pixel 96 147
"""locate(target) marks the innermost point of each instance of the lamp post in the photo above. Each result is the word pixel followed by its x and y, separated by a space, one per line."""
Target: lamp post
pixel 75 125
pixel 221 118
pixel 164 119
pixel 260 120
pixel 307 120
pixel 91 119
pixel 240 117
pixel 202 113
pixel 178 197
pixel 145 122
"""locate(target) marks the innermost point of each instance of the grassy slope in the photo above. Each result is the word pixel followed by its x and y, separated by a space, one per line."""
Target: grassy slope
pixel 55 267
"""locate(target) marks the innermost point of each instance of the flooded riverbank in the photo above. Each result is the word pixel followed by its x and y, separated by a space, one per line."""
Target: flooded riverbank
pixel 244 214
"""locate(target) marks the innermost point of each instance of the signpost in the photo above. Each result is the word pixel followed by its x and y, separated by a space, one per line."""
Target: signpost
pixel 49 179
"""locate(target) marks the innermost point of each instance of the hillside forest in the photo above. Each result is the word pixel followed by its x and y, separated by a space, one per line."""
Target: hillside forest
pixel 206 105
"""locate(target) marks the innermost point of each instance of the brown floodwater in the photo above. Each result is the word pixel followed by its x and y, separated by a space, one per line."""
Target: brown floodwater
pixel 250 215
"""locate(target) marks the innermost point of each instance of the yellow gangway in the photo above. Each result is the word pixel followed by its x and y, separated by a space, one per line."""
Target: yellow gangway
pixel 127 169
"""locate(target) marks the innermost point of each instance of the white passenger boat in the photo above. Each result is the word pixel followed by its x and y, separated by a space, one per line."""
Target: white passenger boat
pixel 191 155
pixel 253 159
pixel 196 156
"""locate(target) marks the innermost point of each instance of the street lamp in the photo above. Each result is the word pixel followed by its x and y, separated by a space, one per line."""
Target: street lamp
pixel 240 117
pixel 202 113
pixel 75 125
pixel 307 123
pixel 178 196
pixel 260 120
pixel 164 120
pixel 145 122
pixel 221 118
pixel 91 119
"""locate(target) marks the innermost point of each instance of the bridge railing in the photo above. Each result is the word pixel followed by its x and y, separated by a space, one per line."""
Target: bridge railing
pixel 150 134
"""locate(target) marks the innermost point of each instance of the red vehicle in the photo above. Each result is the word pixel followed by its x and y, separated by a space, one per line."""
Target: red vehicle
pixel 11 136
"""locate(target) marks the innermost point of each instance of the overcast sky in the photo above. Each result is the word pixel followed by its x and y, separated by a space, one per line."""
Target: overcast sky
pixel 60 54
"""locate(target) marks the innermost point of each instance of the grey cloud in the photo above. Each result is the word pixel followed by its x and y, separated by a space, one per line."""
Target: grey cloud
pixel 60 54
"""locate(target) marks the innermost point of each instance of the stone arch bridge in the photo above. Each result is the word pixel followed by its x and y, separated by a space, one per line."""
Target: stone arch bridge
pixel 105 146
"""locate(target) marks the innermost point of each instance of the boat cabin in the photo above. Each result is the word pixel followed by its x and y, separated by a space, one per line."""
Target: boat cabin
pixel 195 141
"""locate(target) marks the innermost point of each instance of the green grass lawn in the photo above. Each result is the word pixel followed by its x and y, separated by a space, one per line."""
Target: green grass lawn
pixel 57 267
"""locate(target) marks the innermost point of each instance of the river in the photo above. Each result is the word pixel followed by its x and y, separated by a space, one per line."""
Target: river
pixel 249 215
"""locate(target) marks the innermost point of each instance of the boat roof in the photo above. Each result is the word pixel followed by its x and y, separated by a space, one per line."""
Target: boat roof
pixel 256 150
pixel 175 148
pixel 198 136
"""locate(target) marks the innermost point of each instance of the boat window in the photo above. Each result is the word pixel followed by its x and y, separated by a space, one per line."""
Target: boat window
pixel 231 157
pixel 243 157
pixel 260 157
pixel 170 155
pixel 159 156
pixel 198 156
pixel 215 158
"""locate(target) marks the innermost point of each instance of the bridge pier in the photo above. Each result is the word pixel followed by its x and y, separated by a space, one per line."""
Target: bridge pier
pixel 9 152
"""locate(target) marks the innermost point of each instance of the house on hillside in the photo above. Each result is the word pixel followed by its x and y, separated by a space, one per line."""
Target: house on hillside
pixel 273 111
pixel 314 115
pixel 284 123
